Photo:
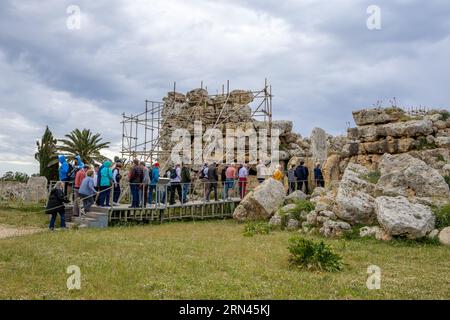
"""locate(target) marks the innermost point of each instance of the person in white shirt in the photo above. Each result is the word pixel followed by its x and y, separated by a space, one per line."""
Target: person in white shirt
pixel 243 176
pixel 261 171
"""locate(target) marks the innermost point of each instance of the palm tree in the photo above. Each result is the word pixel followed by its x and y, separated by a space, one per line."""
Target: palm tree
pixel 85 144
pixel 46 156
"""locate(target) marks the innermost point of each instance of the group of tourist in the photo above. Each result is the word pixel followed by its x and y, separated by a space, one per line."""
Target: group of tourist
pixel 94 184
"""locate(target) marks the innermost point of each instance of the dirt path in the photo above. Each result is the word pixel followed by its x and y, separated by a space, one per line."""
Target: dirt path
pixel 11 231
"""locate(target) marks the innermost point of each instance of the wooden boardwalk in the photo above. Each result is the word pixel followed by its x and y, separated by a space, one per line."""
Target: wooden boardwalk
pixel 196 210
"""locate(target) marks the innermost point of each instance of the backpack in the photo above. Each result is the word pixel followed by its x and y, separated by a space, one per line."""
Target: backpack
pixel 173 174
pixel 72 172
pixel 118 176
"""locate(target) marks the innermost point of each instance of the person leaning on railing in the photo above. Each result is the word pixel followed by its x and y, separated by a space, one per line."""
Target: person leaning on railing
pixel 56 206
pixel 87 191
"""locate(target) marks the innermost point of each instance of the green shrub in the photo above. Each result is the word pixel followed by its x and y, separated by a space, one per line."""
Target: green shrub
pixel 256 227
pixel 440 158
pixel 445 115
pixel 447 179
pixel 301 206
pixel 313 256
pixel 424 145
pixel 372 176
pixel 442 216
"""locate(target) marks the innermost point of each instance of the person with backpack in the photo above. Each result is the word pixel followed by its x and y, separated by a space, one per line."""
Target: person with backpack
pixel 185 182
pixel 106 179
pixel 117 177
pixel 56 206
pixel 213 179
pixel 302 175
pixel 175 184
pixel 154 179
pixel 136 176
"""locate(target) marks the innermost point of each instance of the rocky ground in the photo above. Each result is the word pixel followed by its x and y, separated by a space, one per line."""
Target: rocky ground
pixel 391 175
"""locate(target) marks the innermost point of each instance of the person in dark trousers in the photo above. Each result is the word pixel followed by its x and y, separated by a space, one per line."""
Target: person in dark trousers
pixel 291 179
pixel 136 176
pixel 56 206
pixel 87 191
pixel 302 174
pixel 175 184
pixel 116 183
pixel 185 181
pixel 223 180
pixel 213 179
pixel 318 176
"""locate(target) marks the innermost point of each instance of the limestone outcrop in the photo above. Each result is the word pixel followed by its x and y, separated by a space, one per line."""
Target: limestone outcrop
pixel 261 203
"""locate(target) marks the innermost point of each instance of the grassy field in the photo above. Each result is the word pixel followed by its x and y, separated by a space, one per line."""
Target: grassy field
pixel 206 260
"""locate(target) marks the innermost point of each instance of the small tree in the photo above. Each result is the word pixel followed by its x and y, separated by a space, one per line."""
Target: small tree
pixel 46 156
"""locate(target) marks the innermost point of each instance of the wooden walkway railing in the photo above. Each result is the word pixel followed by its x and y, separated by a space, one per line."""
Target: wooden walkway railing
pixel 190 211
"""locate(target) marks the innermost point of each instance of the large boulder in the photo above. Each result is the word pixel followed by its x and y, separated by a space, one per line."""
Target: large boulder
pixel 377 116
pixel 261 203
pixel 404 175
pixel 399 217
pixel 295 196
pixel 408 129
pixel 444 236
pixel 319 146
pixel 355 203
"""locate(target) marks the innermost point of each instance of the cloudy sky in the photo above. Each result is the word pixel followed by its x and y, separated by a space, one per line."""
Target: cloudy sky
pixel 319 55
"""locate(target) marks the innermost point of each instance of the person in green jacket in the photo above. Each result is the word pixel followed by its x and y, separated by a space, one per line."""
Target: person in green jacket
pixel 106 178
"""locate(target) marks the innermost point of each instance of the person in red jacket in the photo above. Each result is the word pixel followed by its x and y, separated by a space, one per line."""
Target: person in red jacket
pixel 79 177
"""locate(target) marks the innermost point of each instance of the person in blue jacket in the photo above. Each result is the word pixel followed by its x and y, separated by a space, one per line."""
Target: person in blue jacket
pixel 154 179
pixel 106 178
pixel 318 176
pixel 80 163
pixel 64 171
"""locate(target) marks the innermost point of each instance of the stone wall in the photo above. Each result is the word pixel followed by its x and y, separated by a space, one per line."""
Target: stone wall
pixel 180 111
pixel 34 191
pixel 391 130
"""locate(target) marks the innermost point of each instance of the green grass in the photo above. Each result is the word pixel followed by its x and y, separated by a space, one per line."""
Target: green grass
pixel 210 260
pixel 442 216
pixel 372 176
pixel 23 216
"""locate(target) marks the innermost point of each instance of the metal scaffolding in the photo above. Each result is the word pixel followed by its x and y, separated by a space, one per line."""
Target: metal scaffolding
pixel 141 132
